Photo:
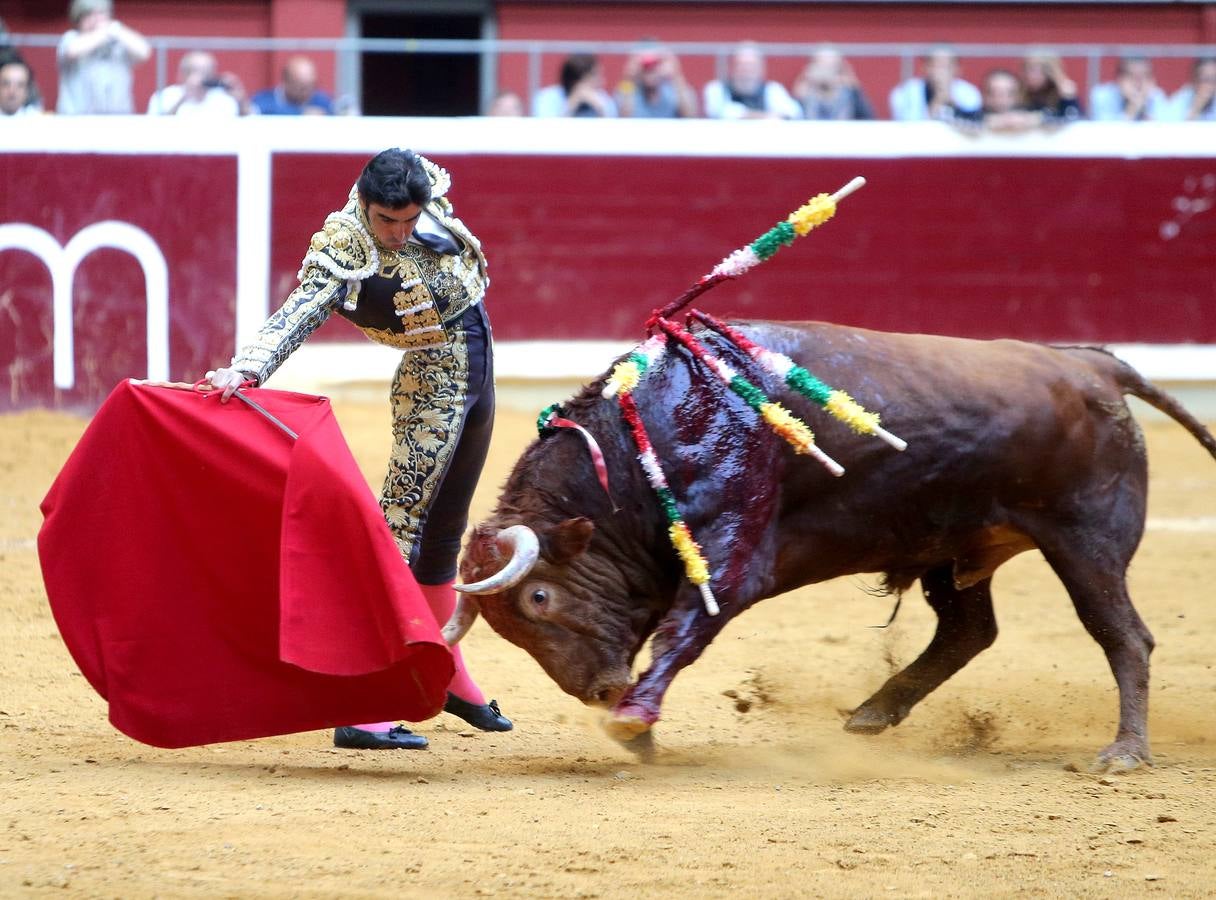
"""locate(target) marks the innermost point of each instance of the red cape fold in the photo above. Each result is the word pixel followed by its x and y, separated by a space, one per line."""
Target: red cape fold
pixel 217 581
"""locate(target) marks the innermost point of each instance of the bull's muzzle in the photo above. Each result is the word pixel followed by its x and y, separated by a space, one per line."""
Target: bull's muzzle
pixel 521 543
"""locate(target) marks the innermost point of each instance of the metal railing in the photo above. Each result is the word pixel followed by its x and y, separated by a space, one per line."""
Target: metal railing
pixel 347 50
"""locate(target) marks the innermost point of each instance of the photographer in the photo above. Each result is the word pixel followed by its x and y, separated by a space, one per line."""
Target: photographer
pixel 653 86
pixel 200 91
pixel 96 58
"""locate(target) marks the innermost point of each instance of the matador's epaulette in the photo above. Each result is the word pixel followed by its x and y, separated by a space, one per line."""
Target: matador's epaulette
pixel 345 250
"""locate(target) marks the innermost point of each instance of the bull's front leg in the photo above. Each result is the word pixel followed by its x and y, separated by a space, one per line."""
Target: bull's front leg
pixel 681 637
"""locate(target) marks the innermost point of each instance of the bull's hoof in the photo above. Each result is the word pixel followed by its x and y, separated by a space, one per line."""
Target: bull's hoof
pixel 868 720
pixel 643 746
pixel 626 728
pixel 1124 755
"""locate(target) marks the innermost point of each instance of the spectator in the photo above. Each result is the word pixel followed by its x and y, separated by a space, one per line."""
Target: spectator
pixel 746 93
pixel 653 87
pixel 1132 97
pixel 200 91
pixel 828 88
pixel 10 54
pixel 1196 102
pixel 580 92
pixel 1004 104
pixel 507 103
pixel 940 94
pixel 96 59
pixel 1048 90
pixel 16 90
pixel 296 93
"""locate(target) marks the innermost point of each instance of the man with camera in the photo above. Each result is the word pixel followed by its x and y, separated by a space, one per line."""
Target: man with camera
pixel 96 58
pixel 200 91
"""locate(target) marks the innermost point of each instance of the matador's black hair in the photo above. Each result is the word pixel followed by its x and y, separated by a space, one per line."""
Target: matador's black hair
pixel 394 179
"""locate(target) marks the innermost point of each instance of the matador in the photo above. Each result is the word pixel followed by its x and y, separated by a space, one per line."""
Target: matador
pixel 397 263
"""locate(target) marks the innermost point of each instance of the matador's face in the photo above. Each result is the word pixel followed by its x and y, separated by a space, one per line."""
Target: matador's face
pixel 392 227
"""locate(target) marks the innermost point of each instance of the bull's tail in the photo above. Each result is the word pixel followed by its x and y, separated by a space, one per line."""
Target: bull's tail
pixel 1132 382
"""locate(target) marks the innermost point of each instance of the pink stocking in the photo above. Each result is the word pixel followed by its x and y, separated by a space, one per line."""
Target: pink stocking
pixel 441 598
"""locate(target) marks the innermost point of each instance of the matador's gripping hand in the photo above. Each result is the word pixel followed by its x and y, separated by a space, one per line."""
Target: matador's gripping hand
pixel 226 380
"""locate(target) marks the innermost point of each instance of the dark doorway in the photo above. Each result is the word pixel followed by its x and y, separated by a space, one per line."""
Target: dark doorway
pixel 421 84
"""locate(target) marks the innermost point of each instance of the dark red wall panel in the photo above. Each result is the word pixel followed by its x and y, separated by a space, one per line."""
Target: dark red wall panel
pixel 185 204
pixel 1046 249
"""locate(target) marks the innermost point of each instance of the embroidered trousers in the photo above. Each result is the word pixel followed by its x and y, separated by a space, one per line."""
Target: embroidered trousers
pixel 443 415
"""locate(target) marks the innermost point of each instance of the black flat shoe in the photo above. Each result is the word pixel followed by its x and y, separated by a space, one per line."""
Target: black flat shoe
pixel 396 738
pixel 487 717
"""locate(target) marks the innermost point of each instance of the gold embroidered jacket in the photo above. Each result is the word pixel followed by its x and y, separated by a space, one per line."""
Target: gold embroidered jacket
pixel 400 298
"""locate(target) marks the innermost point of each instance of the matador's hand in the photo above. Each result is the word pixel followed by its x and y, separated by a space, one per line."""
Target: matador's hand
pixel 226 380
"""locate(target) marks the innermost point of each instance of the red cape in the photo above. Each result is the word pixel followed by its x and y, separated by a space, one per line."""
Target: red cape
pixel 216 580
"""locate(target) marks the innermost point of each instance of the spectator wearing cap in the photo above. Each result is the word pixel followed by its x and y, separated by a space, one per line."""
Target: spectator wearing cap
pixel 747 93
pixel 200 91
pixel 579 94
pixel 653 87
pixel 828 88
pixel 1132 97
pixel 296 94
pixel 939 94
pixel 1196 101
pixel 16 90
pixel 97 57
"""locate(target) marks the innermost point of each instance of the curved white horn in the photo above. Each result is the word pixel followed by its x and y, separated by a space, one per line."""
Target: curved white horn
pixel 462 620
pixel 520 541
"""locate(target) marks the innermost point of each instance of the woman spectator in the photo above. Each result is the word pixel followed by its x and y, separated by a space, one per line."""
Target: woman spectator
pixel 1048 90
pixel 828 88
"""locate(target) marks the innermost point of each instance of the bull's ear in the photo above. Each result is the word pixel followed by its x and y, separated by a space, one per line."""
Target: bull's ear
pixel 568 539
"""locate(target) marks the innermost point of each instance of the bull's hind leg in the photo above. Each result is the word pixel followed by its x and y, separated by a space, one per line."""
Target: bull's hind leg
pixel 1098 588
pixel 966 624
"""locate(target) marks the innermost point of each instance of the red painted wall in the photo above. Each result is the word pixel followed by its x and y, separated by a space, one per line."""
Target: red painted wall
pixel 1043 248
pixel 975 247
pixel 186 204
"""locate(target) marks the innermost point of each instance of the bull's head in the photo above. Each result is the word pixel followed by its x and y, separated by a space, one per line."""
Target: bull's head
pixel 542 590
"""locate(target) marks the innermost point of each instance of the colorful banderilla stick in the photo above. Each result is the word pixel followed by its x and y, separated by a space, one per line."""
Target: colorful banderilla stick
pixel 800 222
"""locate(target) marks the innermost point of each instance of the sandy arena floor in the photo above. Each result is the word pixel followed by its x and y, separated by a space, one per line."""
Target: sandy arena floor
pixel 982 792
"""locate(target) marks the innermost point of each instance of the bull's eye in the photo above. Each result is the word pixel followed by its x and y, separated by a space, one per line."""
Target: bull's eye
pixel 539 597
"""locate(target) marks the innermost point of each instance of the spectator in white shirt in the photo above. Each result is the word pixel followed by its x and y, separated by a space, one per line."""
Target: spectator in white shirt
pixel 747 93
pixel 1132 97
pixel 200 91
pixel 940 94
pixel 16 90
pixel 1196 101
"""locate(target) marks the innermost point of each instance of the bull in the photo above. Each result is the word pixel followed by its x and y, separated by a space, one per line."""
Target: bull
pixel 1011 446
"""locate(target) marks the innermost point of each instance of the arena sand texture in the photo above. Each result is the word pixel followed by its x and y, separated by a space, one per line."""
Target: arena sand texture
pixel 983 791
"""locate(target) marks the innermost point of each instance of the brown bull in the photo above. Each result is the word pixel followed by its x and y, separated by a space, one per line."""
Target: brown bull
pixel 1011 446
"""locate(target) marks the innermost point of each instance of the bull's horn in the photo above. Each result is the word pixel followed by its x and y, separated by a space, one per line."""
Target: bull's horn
pixel 462 620
pixel 520 541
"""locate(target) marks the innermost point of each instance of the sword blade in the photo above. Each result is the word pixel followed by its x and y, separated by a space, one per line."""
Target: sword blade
pixel 261 410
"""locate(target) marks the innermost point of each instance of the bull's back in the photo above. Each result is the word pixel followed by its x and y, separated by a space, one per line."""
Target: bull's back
pixel 995 429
